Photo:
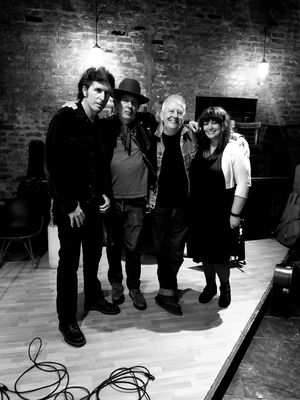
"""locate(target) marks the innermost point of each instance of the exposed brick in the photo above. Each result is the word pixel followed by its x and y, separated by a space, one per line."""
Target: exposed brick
pixel 193 47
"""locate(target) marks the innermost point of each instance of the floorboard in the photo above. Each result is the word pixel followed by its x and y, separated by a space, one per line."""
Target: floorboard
pixel 187 355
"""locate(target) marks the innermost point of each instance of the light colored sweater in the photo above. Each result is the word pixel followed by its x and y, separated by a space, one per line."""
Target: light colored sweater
pixel 236 168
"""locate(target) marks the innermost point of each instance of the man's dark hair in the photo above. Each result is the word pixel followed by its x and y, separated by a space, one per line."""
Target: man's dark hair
pixel 92 74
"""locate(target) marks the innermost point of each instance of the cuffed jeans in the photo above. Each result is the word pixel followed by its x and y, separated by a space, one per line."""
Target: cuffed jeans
pixel 169 227
pixel 124 223
pixel 90 236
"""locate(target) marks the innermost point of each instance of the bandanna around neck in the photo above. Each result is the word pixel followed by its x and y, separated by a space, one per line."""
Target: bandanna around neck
pixel 126 138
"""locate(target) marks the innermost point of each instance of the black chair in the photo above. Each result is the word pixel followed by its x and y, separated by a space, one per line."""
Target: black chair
pixel 250 130
pixel 20 220
pixel 24 217
pixel 34 183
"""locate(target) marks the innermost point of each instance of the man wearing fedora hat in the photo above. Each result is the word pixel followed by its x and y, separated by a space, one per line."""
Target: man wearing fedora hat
pixel 130 141
pixel 130 145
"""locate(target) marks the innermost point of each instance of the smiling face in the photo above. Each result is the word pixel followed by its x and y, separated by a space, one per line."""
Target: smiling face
pixel 212 130
pixel 127 107
pixel 172 114
pixel 95 97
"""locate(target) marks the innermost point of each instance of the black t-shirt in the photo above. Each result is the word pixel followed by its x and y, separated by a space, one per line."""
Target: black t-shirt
pixel 173 184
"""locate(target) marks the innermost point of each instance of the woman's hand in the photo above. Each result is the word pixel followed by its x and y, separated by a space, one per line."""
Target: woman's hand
pixel 235 222
pixel 105 206
pixel 236 209
pixel 193 125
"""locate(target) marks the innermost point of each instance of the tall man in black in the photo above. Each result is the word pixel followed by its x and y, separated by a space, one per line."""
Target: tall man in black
pixel 77 175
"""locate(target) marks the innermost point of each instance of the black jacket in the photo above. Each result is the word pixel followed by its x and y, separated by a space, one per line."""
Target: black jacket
pixel 142 132
pixel 75 160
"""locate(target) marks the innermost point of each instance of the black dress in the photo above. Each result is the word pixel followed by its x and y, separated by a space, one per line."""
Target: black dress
pixel 210 236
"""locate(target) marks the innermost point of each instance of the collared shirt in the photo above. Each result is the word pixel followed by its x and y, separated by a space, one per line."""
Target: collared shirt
pixel 188 147
pixel 75 159
pixel 142 155
pixel 173 187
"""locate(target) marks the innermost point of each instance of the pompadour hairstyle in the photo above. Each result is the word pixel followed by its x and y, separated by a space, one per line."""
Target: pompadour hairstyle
pixel 92 74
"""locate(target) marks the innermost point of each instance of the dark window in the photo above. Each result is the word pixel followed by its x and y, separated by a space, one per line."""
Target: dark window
pixel 239 108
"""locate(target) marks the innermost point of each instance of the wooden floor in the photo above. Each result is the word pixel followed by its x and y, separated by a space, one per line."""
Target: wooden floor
pixel 188 355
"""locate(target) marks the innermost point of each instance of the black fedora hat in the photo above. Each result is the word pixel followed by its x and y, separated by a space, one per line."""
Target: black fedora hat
pixel 133 87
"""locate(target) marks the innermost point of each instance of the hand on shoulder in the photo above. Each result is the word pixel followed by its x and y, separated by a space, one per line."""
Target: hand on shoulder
pixel 70 104
pixel 193 125
pixel 239 140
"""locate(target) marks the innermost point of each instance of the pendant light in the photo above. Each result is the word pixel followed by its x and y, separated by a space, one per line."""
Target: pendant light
pixel 97 55
pixel 263 66
pixel 97 14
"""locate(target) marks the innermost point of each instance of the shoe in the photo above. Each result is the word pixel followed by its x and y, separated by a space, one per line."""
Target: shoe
pixel 72 334
pixel 225 295
pixel 169 303
pixel 138 299
pixel 208 292
pixel 103 306
pixel 117 294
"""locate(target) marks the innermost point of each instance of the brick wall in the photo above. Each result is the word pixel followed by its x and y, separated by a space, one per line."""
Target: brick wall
pixel 188 47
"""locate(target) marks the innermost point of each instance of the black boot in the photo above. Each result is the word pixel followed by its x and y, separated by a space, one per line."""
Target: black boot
pixel 225 296
pixel 209 291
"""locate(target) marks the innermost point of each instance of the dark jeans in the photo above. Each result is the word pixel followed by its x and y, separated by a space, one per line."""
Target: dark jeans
pixel 90 235
pixel 124 223
pixel 169 233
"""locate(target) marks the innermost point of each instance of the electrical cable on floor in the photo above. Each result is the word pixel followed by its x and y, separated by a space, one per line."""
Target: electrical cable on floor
pixel 133 379
pixel 128 380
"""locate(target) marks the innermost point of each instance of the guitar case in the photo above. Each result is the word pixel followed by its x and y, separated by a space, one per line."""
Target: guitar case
pixel 284 277
pixel 286 286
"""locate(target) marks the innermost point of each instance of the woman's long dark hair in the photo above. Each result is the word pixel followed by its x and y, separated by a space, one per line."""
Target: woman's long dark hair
pixel 219 115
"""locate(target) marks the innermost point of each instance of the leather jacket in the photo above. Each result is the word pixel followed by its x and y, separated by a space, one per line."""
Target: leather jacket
pixel 142 131
pixel 75 160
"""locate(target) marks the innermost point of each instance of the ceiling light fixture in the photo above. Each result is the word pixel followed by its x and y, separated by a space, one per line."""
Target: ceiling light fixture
pixel 97 14
pixel 263 66
pixel 98 55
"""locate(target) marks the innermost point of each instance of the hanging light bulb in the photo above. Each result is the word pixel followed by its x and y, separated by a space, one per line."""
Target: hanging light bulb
pixel 97 13
pixel 97 56
pixel 263 66
pixel 263 70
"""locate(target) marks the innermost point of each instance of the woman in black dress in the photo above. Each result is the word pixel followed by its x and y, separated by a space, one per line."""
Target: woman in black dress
pixel 220 178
